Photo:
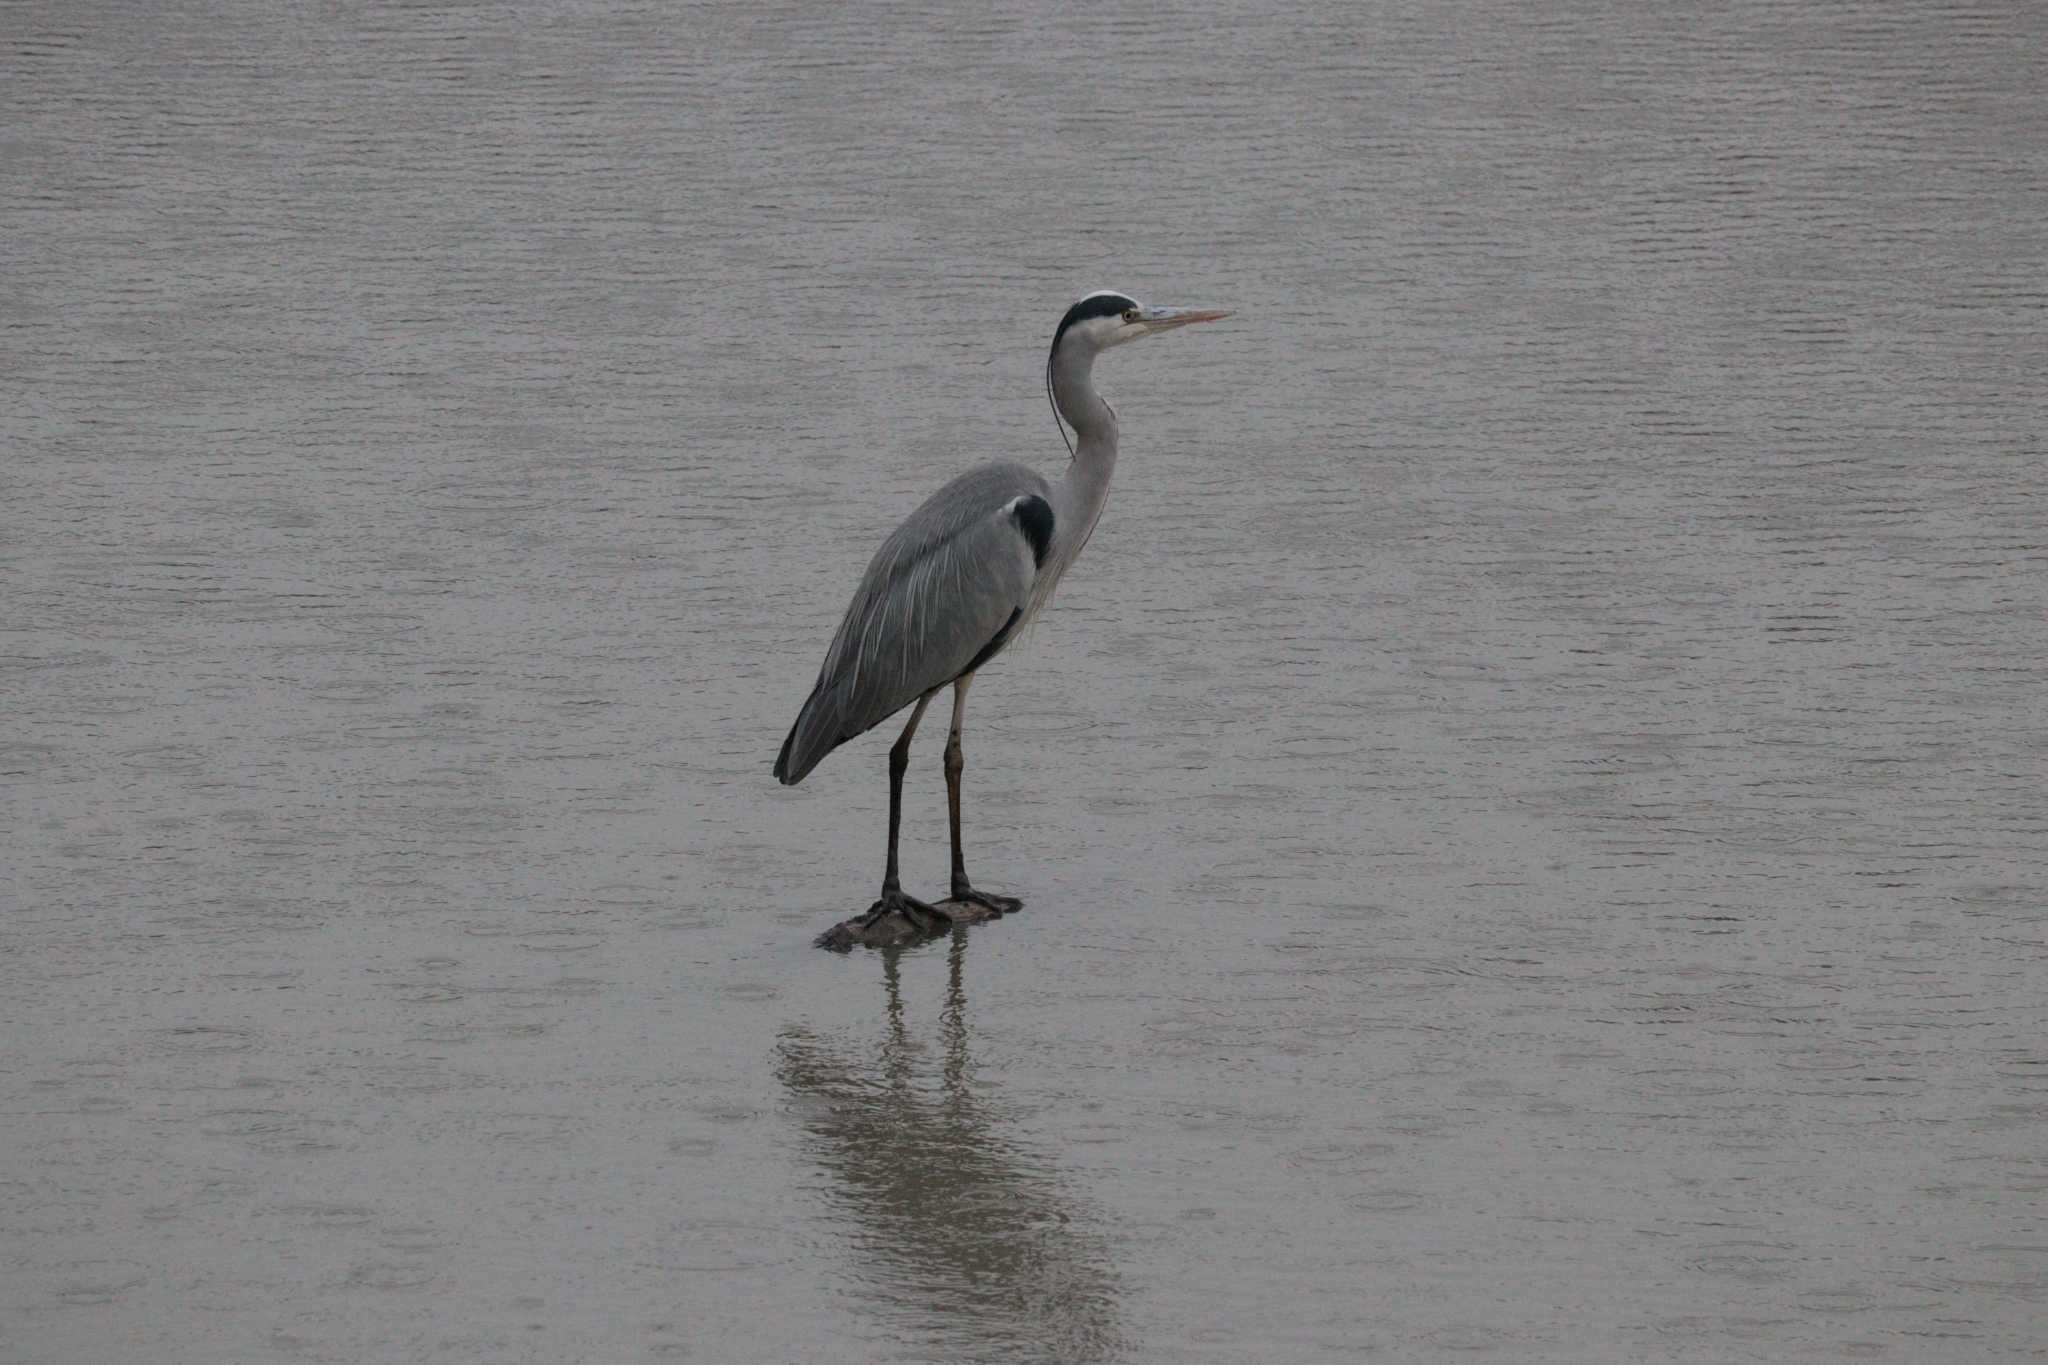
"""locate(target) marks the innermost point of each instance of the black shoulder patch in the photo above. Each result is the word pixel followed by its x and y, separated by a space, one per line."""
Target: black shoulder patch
pixel 1107 305
pixel 1034 519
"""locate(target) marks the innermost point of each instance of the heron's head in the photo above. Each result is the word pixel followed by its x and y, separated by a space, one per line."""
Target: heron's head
pixel 1095 323
pixel 1106 318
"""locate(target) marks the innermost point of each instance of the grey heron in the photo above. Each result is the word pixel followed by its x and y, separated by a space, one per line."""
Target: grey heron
pixel 961 576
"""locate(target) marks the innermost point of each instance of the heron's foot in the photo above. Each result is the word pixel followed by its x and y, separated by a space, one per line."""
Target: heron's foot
pixel 926 919
pixel 995 905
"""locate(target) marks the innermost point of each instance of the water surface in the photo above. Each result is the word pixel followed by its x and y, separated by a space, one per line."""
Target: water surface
pixel 1530 807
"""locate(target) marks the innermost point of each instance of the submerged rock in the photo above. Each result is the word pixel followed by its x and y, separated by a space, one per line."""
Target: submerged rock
pixel 892 930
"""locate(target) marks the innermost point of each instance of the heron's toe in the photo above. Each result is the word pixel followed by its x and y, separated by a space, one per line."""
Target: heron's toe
pixel 995 905
pixel 926 919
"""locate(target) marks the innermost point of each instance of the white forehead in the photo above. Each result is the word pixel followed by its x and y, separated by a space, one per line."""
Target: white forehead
pixel 1098 293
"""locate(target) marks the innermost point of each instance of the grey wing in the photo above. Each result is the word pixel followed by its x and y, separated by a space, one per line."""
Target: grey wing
pixel 939 599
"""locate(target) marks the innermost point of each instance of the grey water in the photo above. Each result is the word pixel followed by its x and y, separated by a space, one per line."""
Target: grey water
pixel 1531 807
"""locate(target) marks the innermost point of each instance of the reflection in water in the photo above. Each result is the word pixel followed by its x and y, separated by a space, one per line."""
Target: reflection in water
pixel 962 1233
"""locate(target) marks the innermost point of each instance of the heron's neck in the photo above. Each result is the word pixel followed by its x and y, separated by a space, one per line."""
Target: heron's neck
pixel 1082 492
pixel 1073 389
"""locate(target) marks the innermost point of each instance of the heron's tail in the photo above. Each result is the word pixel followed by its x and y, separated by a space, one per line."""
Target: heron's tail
pixel 814 735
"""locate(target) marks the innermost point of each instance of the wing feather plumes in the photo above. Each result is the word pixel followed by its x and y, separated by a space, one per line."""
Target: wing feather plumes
pixel 937 600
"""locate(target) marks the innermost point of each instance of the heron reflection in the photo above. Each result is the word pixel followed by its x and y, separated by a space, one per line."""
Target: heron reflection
pixel 964 1235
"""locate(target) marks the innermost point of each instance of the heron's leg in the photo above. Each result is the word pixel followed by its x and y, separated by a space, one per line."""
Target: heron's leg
pixel 919 914
pixel 956 762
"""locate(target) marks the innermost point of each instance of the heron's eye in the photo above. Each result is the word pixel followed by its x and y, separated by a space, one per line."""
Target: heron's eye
pixel 1130 315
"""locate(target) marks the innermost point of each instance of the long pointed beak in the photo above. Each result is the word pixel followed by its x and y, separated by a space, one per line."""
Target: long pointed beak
pixel 1156 320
